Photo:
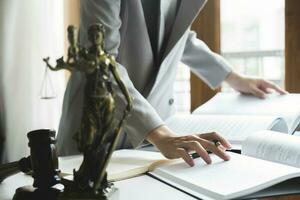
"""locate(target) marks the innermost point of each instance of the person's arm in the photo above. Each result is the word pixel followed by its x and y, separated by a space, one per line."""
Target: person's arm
pixel 209 66
pixel 213 69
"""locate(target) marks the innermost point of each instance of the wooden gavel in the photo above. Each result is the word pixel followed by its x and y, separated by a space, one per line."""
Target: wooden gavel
pixel 42 162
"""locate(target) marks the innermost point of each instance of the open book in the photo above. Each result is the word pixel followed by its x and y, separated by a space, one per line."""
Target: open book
pixel 236 116
pixel 268 159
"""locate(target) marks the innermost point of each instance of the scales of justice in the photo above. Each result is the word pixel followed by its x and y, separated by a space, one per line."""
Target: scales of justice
pixel 96 138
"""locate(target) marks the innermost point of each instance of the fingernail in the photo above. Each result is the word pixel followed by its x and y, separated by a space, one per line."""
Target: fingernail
pixel 227 157
pixel 191 163
pixel 208 161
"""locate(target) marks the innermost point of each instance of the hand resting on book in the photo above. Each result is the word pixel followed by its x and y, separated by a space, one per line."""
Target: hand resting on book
pixel 173 146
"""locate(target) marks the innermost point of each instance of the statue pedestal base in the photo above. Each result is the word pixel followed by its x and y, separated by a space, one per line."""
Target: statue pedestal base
pixel 111 194
pixel 31 193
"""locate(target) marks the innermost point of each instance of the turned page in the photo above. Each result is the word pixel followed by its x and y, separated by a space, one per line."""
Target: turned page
pixel 128 163
pixel 286 106
pixel 273 146
pixel 235 128
pixel 123 164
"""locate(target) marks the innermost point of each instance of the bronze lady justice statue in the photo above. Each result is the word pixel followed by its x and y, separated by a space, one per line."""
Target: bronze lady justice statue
pixel 99 129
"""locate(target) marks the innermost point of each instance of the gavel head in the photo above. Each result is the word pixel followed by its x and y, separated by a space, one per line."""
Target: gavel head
pixel 44 160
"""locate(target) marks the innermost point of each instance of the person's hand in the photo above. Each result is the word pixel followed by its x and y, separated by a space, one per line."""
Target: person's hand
pixel 172 146
pixel 254 86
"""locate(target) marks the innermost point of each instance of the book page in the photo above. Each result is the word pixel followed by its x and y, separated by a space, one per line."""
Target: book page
pixel 273 146
pixel 129 163
pixel 286 106
pixel 239 176
pixel 235 128
pixel 123 164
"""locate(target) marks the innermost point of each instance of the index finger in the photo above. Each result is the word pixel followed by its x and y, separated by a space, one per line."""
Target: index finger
pixel 276 88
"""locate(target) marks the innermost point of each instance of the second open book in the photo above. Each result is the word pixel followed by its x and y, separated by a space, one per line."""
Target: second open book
pixel 237 116
pixel 268 158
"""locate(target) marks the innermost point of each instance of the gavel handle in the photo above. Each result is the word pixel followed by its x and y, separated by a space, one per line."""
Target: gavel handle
pixel 9 169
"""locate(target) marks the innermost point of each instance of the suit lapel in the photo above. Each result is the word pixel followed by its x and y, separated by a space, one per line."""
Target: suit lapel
pixel 187 12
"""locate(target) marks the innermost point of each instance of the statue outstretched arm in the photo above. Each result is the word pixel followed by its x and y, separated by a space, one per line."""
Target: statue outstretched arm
pixel 121 85
pixel 60 64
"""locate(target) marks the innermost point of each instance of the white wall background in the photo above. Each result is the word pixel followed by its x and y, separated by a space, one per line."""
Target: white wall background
pixel 29 31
